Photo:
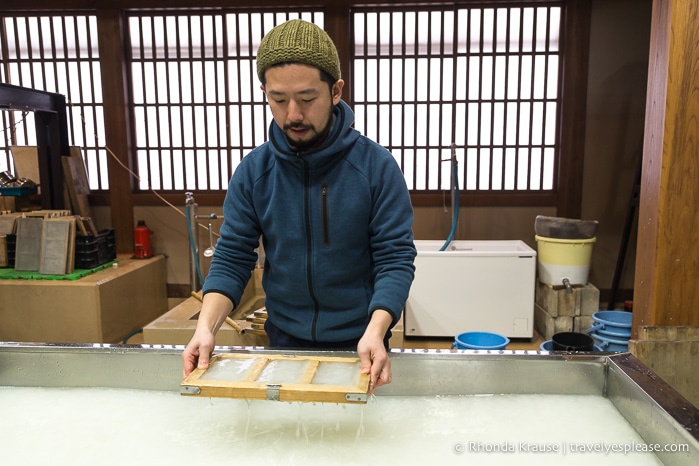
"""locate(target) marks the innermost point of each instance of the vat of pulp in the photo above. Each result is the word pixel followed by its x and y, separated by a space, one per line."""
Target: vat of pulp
pixel 655 412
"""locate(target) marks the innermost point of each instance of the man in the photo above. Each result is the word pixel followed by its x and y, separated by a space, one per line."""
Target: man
pixel 333 211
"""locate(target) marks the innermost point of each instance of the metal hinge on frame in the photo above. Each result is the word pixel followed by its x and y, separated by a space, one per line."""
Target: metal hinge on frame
pixel 273 391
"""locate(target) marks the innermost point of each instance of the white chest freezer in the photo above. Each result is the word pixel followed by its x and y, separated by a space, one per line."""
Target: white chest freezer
pixel 472 286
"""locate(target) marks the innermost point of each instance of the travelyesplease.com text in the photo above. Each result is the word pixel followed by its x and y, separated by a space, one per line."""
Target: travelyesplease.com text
pixel 568 447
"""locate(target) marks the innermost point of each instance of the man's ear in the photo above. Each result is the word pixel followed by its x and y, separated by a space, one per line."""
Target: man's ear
pixel 337 91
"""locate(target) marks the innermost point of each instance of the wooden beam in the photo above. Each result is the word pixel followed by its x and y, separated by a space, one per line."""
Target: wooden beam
pixel 81 5
pixel 51 136
pixel 576 44
pixel 338 29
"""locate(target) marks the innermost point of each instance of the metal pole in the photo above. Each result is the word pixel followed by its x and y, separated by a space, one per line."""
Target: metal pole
pixel 193 239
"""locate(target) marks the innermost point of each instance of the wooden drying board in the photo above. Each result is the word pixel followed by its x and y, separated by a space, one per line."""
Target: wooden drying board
pixel 57 253
pixel 303 391
pixel 78 189
pixel 29 232
pixel 26 159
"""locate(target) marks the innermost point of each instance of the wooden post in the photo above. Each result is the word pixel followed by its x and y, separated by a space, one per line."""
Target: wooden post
pixel 667 262
pixel 117 130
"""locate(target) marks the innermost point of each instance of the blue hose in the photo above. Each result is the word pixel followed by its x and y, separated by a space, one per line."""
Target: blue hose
pixel 455 202
pixel 193 246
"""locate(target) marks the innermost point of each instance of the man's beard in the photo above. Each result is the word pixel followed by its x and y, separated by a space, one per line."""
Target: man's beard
pixel 315 141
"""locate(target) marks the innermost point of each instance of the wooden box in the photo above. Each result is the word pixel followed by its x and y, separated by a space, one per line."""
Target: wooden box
pixel 102 307
pixel 177 326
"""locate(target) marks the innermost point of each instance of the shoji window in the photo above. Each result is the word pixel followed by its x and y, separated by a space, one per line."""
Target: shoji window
pixel 198 107
pixel 59 54
pixel 484 78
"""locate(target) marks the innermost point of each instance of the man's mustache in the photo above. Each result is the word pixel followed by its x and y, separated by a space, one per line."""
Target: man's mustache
pixel 297 126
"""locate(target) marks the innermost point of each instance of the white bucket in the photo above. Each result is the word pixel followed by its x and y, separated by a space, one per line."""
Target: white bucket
pixel 560 259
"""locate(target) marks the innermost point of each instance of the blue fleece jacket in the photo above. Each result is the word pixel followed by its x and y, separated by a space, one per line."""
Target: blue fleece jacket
pixel 336 224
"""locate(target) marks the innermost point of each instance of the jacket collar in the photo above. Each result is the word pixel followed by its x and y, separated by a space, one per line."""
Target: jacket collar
pixel 341 135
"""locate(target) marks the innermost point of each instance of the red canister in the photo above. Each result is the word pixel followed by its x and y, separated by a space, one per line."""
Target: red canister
pixel 142 239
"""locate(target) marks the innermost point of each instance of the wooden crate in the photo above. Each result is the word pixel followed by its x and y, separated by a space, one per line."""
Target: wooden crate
pixel 252 377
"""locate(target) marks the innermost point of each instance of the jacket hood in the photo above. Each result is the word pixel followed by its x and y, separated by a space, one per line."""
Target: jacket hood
pixel 341 136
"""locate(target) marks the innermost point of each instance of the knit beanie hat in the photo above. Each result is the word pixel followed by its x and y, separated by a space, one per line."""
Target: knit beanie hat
pixel 298 41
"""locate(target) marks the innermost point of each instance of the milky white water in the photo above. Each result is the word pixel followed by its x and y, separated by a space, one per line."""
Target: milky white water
pixel 75 426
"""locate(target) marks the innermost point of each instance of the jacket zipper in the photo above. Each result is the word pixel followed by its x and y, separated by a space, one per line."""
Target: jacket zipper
pixel 325 214
pixel 309 249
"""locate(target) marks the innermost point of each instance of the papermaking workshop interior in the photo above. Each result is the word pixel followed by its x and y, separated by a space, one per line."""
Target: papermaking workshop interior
pixel 611 127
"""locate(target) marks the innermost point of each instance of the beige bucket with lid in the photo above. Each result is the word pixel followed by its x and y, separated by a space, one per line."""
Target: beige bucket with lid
pixel 560 259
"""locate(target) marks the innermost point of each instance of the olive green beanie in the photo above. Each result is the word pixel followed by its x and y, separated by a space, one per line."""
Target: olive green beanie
pixel 298 41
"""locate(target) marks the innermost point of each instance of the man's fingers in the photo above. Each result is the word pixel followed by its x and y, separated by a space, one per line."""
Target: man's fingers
pixel 203 362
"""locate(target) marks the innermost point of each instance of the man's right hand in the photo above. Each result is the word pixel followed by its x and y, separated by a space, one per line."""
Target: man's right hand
pixel 214 309
pixel 198 352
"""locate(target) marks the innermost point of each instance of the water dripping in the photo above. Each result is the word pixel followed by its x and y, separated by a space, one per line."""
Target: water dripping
pixel 360 428
pixel 300 424
pixel 337 425
pixel 247 423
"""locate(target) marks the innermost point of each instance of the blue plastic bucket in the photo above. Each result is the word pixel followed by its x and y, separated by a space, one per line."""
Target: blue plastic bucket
pixel 480 340
pixel 621 319
pixel 614 324
pixel 610 332
pixel 610 344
